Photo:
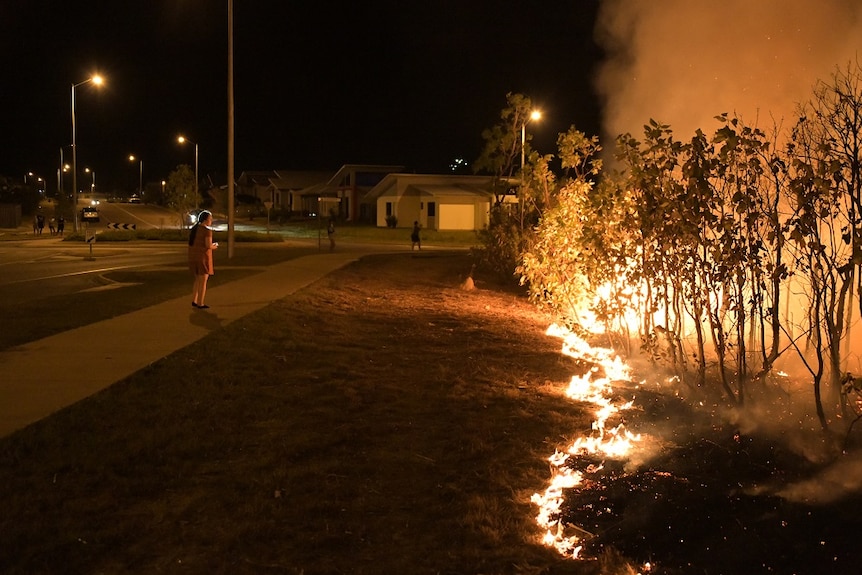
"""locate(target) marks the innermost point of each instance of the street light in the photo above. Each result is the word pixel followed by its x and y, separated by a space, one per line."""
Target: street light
pixel 93 185
pixel 39 181
pixel 534 115
pixel 230 133
pixel 97 80
pixel 63 167
pixel 183 140
pixel 132 158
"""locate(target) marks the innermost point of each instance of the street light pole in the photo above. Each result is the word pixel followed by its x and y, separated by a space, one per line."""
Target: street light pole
pixel 132 158
pixel 93 184
pixel 230 132
pixel 183 140
pixel 534 115
pixel 96 80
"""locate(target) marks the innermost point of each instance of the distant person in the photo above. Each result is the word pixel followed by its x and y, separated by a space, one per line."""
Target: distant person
pixel 201 248
pixel 52 226
pixel 40 223
pixel 330 232
pixel 414 237
pixel 61 225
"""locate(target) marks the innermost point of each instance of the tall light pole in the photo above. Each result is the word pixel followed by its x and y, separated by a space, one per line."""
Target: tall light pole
pixel 60 171
pixel 93 184
pixel 183 140
pixel 230 131
pixel 132 158
pixel 97 80
pixel 534 115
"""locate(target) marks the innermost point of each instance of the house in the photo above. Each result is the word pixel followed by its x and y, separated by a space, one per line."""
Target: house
pixel 344 192
pixel 437 202
pixel 285 189
pixel 305 191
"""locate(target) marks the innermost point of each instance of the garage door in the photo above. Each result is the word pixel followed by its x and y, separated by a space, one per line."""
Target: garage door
pixel 457 217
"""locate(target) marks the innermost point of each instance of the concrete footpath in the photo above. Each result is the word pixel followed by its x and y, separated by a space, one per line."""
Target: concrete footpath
pixel 41 377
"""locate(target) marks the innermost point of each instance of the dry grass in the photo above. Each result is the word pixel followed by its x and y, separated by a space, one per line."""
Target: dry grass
pixel 381 421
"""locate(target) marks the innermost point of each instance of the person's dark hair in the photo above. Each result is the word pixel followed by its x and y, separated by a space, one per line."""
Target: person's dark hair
pixel 194 232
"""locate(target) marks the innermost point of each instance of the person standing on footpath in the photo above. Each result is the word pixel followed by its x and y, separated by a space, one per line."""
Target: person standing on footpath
pixel 201 248
pixel 414 237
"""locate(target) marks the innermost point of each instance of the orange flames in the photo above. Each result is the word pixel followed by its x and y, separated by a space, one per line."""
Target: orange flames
pixel 606 442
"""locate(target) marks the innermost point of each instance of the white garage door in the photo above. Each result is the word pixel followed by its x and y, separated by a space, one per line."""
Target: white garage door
pixel 457 217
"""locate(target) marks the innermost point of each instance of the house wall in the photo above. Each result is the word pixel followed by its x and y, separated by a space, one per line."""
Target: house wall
pixel 453 213
pixel 405 208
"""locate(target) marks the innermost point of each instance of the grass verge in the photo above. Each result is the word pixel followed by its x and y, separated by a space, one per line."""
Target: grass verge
pixel 380 421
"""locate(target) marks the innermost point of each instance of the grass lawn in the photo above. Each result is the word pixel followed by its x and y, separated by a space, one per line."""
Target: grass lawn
pixel 382 420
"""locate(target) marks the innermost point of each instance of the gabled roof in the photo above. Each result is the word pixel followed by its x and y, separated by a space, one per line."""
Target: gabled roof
pixel 439 190
pixel 293 180
pixel 433 184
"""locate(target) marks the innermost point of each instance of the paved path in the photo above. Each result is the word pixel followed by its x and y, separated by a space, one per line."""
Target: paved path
pixel 39 378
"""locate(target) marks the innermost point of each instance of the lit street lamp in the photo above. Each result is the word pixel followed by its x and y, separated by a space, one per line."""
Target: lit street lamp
pixel 97 80
pixel 132 158
pixel 93 185
pixel 183 140
pixel 534 115
pixel 63 167
pixel 39 181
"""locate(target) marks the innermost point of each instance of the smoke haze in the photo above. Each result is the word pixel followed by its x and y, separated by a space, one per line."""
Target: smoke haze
pixel 682 62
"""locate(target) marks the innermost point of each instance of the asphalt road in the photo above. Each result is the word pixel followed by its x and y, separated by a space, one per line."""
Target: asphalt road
pixel 32 269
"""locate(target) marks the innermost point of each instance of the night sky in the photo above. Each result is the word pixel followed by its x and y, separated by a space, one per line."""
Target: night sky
pixel 318 84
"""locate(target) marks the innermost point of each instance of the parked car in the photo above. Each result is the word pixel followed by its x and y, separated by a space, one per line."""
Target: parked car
pixel 90 214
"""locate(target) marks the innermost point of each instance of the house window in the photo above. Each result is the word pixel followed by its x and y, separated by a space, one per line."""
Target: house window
pixel 432 209
pixel 388 209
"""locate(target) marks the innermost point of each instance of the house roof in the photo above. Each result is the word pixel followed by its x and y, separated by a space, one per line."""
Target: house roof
pixel 434 184
pixel 438 190
pixel 292 180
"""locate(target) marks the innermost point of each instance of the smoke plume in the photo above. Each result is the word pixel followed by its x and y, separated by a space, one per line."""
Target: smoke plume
pixel 682 62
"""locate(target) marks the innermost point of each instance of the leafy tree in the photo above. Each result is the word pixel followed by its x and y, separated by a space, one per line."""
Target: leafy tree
pixel 826 232
pixel 180 190
pixel 508 232
pixel 501 153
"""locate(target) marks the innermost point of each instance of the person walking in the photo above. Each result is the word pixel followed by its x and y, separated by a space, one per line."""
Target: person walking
pixel 61 225
pixel 330 232
pixel 201 248
pixel 52 226
pixel 414 237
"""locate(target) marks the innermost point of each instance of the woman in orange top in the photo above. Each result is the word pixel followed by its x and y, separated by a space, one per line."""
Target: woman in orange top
pixel 201 248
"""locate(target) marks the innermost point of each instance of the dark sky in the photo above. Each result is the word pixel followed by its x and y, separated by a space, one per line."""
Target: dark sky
pixel 318 83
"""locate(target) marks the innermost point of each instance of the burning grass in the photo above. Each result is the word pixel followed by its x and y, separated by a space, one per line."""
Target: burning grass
pixel 386 421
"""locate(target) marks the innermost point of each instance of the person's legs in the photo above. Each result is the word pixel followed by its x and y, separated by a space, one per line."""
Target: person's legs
pixel 203 293
pixel 197 298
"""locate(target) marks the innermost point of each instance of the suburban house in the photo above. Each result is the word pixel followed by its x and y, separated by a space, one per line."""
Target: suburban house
pixel 437 202
pixel 316 192
pixel 344 193
pixel 281 187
